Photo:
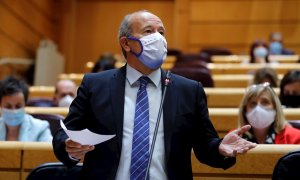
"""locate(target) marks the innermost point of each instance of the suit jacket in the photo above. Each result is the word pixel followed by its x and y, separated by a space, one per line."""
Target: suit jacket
pixel 32 129
pixel 99 106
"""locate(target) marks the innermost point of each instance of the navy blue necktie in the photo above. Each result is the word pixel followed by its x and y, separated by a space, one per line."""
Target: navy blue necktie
pixel 140 140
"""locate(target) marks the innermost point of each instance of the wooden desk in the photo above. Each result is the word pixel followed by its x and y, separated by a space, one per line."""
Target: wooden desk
pixel 285 58
pixel 216 97
pixel 77 78
pixel 223 119
pixel 47 110
pixel 246 58
pixel 170 59
pixel 224 76
pixel 226 97
pixel 258 163
pixel 41 92
pixel 249 68
pixel 35 154
pixel 18 158
pixel 234 80
pixel 10 160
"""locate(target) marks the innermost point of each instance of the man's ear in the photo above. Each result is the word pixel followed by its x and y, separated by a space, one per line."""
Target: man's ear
pixel 124 44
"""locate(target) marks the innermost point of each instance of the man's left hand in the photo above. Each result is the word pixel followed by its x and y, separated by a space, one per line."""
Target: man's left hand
pixel 233 144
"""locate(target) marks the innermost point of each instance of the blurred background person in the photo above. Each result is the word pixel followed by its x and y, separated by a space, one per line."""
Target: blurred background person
pixel 276 45
pixel 259 52
pixel 15 124
pixel 65 92
pixel 105 62
pixel 290 89
pixel 262 109
pixel 263 75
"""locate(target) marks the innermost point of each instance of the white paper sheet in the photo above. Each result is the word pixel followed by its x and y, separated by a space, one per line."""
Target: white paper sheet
pixel 85 137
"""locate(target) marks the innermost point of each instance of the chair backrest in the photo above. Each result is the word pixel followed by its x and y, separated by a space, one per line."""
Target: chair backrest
pixel 210 51
pixel 192 57
pixel 216 51
pixel 194 69
pixel 195 73
pixel 287 167
pixel 53 119
pixel 295 123
pixel 39 102
pixel 191 63
pixel 55 171
pixel 174 52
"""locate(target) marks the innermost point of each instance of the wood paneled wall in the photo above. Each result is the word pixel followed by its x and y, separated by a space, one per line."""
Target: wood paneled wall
pixel 84 29
pixel 235 24
pixel 22 25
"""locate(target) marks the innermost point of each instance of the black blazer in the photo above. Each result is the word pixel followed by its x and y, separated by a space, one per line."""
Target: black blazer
pixel 99 107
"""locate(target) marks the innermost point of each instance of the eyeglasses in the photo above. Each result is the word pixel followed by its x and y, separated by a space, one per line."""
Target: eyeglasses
pixel 263 85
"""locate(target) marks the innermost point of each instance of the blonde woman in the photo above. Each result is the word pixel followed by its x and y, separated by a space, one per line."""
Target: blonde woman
pixel 262 109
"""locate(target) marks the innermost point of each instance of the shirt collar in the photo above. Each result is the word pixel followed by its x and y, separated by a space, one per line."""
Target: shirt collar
pixel 133 75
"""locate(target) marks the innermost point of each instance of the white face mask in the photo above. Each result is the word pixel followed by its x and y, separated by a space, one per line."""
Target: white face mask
pixel 153 50
pixel 260 117
pixel 260 52
pixel 65 101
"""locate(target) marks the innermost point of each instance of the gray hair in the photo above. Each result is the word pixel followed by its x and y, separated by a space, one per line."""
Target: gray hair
pixel 125 30
pixel 125 27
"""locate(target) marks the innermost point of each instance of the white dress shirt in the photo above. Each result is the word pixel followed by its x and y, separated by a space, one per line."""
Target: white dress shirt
pixel 157 168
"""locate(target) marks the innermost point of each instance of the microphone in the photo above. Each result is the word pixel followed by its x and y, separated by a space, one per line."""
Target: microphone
pixel 166 84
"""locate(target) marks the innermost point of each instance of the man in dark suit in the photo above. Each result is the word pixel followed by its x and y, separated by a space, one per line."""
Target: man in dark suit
pixel 106 101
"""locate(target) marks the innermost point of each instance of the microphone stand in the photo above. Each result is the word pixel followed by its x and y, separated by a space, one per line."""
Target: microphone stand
pixel 166 83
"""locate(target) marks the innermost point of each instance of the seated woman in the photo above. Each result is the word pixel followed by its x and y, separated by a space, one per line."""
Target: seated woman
pixel 15 124
pixel 266 74
pixel 259 52
pixel 290 89
pixel 261 109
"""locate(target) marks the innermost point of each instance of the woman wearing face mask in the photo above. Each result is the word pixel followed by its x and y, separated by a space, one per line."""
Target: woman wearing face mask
pixel 265 74
pixel 15 124
pixel 261 109
pixel 290 89
pixel 259 52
